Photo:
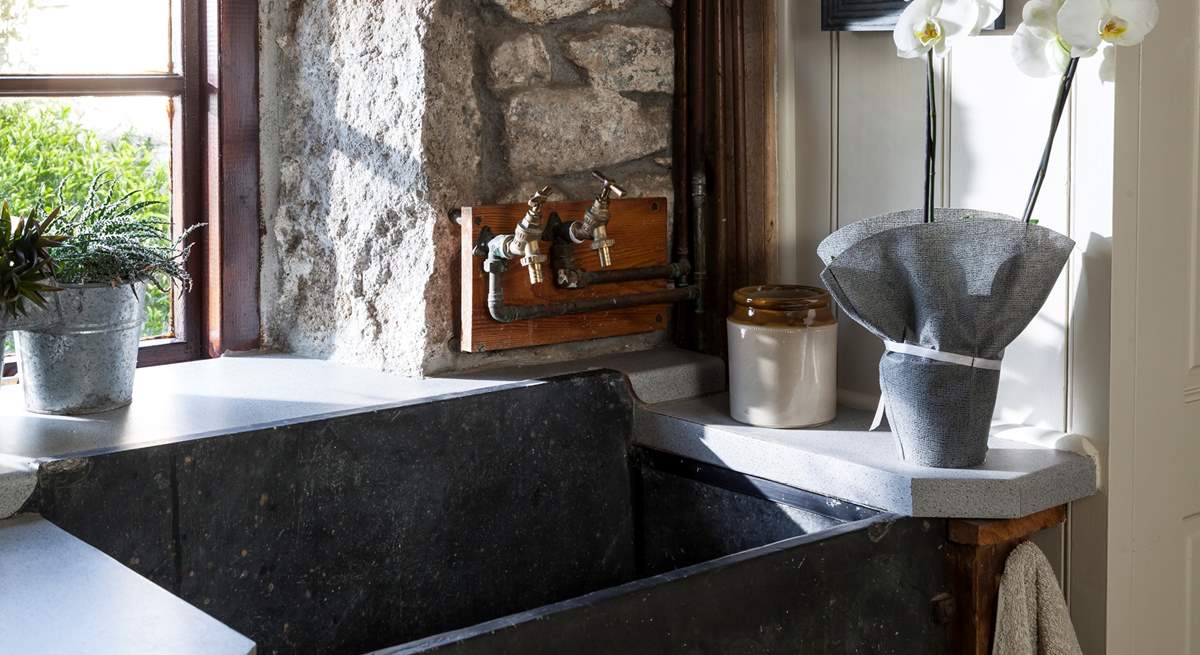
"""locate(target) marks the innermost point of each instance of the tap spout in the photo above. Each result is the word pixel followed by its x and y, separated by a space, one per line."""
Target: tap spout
pixel 594 225
pixel 525 240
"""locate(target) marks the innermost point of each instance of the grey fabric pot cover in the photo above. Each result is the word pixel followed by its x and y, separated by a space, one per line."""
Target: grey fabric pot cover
pixel 967 284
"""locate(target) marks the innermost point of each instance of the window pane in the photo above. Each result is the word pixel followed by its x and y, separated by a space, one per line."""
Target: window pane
pixel 48 143
pixel 84 36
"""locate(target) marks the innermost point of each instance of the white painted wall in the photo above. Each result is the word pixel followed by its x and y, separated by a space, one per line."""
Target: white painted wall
pixel 851 116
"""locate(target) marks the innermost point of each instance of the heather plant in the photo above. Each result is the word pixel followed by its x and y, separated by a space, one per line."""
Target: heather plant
pixel 118 238
pixel 48 158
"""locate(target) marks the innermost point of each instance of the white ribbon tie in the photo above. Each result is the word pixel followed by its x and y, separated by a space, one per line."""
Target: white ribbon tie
pixel 928 353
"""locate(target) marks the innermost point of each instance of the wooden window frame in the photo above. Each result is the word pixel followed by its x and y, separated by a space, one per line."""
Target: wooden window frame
pixel 214 170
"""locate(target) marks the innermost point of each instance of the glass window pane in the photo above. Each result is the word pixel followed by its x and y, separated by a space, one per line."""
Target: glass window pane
pixel 46 144
pixel 84 36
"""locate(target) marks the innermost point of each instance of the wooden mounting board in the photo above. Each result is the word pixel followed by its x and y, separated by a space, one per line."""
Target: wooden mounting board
pixel 639 226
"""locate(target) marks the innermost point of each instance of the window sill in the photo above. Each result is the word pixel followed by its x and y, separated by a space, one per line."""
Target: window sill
pixel 153 352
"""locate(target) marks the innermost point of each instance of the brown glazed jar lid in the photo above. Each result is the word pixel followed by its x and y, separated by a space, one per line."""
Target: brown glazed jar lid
pixel 782 305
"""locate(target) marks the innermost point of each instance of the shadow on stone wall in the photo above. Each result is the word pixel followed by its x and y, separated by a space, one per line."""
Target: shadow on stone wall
pixel 379 117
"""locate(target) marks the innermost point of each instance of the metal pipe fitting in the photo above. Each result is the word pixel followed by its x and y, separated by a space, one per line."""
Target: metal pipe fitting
pixel 700 244
pixel 508 313
pixel 594 225
pixel 525 241
pixel 579 279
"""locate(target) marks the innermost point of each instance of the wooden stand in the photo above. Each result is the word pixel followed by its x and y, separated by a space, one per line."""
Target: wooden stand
pixel 639 226
pixel 976 555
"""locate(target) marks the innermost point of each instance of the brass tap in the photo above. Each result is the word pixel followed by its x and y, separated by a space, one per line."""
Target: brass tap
pixel 594 225
pixel 526 239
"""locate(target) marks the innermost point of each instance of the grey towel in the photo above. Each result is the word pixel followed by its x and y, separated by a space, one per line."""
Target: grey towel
pixel 1032 616
pixel 966 284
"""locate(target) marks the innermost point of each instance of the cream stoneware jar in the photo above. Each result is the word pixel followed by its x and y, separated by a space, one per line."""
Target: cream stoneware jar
pixel 782 356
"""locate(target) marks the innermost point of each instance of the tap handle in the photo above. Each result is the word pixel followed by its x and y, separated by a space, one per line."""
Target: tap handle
pixel 609 187
pixel 539 197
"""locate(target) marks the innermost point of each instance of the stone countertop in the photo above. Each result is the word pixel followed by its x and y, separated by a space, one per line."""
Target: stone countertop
pixel 60 595
pixel 845 460
pixel 195 400
pixel 209 398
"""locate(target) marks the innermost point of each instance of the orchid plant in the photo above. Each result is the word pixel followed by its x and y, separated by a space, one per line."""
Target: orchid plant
pixel 1055 34
pixel 928 28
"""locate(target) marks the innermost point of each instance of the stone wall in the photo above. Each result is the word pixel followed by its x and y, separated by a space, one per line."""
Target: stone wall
pixel 379 116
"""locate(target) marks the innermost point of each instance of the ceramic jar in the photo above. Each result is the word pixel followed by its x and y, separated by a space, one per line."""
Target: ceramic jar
pixel 782 356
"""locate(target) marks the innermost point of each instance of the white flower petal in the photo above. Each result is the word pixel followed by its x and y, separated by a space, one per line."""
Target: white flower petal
pixel 958 19
pixel 1140 17
pixel 911 20
pixel 1029 51
pixel 1108 65
pixel 1058 56
pixel 989 11
pixel 1042 17
pixel 1079 24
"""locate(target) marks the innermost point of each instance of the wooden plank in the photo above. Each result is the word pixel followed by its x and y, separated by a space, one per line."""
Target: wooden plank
pixel 998 119
pixel 879 156
pixel 975 559
pixel 988 532
pixel 639 226
pixel 806 132
pixel 91 85
pixel 975 573
pixel 1090 339
pixel 233 229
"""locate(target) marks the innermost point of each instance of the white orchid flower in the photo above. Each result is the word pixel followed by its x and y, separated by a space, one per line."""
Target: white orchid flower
pixel 1037 47
pixel 1108 65
pixel 1042 17
pixel 989 11
pixel 1037 56
pixel 935 25
pixel 1085 24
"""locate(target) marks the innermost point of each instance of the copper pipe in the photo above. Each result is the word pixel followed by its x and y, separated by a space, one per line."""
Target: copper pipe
pixel 508 313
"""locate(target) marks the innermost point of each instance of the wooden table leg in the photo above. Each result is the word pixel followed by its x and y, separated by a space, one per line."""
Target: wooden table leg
pixel 976 555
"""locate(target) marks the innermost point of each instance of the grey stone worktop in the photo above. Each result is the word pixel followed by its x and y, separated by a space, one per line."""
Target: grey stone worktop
pixel 198 399
pixel 60 596
pixel 846 460
pixel 54 588
pixel 194 400
pixel 680 414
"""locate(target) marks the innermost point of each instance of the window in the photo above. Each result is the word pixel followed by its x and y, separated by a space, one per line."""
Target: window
pixel 161 93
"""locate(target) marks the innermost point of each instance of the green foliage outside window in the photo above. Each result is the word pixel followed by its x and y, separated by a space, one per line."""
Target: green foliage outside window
pixel 43 147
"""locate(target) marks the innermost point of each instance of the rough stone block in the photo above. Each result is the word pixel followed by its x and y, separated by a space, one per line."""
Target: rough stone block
pixel 627 58
pixel 555 131
pixel 373 127
pixel 521 62
pixel 648 185
pixel 541 12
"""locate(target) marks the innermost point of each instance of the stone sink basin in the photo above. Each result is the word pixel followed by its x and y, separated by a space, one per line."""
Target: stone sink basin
pixel 521 520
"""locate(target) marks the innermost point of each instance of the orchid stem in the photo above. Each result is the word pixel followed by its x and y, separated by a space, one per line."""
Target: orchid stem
pixel 1064 90
pixel 930 138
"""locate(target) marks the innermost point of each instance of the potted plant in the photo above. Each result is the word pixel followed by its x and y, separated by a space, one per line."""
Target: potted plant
pixel 112 247
pixel 25 269
pixel 948 289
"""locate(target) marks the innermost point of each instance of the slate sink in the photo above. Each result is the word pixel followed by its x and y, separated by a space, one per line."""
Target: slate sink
pixel 515 521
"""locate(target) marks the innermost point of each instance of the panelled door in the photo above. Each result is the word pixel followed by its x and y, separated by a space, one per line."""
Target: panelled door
pixel 1154 502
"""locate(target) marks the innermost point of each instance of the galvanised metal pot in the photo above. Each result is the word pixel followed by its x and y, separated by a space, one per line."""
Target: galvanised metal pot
pixel 84 362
